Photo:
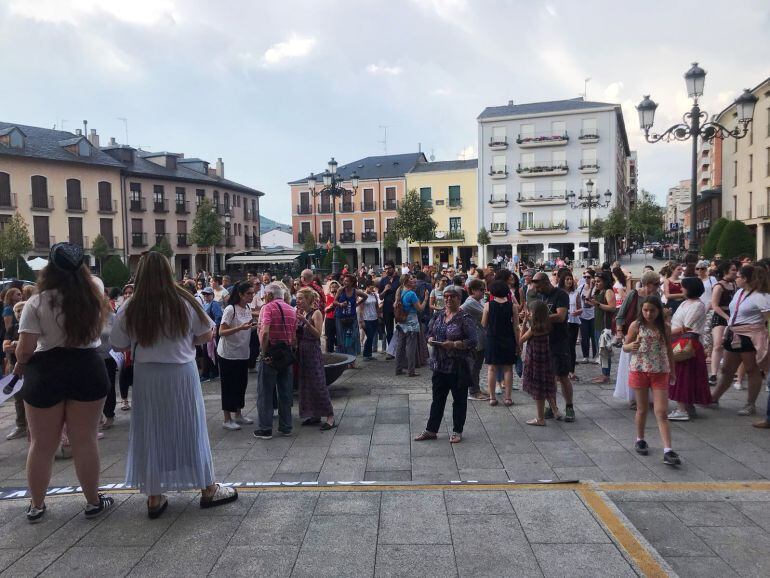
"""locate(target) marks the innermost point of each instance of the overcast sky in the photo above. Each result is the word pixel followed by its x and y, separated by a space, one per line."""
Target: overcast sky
pixel 276 88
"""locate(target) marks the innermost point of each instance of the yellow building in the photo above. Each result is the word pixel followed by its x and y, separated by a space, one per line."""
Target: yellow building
pixel 448 188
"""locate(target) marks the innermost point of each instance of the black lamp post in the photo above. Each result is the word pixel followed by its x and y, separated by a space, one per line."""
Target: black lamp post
pixel 590 201
pixel 692 126
pixel 333 187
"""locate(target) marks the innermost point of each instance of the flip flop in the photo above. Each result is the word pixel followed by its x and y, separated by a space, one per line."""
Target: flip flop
pixel 493 402
pixel 535 421
pixel 508 402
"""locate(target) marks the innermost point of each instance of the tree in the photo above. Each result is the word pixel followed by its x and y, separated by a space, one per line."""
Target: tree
pixel 206 230
pixel 23 272
pixel 709 248
pixel 390 241
pixel 413 221
pixel 14 242
pixel 114 272
pixel 341 257
pixel 164 248
pixel 614 227
pixel 483 237
pixel 309 244
pixel 100 250
pixel 646 218
pixel 736 240
pixel 597 228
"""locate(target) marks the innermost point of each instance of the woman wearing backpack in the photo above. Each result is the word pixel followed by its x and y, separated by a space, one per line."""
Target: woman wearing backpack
pixel 405 311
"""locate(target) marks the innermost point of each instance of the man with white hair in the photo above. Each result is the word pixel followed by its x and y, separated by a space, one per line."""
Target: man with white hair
pixel 306 280
pixel 277 331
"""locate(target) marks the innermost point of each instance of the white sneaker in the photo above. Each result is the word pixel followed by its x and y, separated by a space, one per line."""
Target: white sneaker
pixel 243 420
pixel 584 360
pixel 231 425
pixel 16 433
pixel 596 360
pixel 738 385
pixel 677 415
pixel 498 390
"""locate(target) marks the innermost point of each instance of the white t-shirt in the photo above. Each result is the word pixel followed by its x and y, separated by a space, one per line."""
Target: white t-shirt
pixel 708 286
pixel 235 345
pixel 42 319
pixel 220 294
pixel 750 311
pixel 370 307
pixel 165 350
pixel 690 314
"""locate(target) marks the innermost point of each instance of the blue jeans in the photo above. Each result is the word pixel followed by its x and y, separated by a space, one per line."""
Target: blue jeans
pixel 370 330
pixel 272 380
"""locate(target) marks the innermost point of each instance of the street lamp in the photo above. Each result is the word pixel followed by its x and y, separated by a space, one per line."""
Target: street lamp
pixel 693 127
pixel 589 200
pixel 332 185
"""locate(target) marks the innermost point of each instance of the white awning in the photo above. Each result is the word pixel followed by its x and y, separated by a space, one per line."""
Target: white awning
pixel 247 259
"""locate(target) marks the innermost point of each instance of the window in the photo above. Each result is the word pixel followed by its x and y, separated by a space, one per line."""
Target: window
pixel 558 188
pixel 527 159
pixel 589 126
pixel 84 148
pixel 498 134
pixel 347 226
pixel 526 131
pixel 74 200
pixel 751 167
pixel 389 224
pixel 137 225
pixel 326 227
pixel 158 193
pixel 305 227
pixel 498 192
pixel 15 139
pixel 181 227
pixel 528 189
pixel 200 194
pixel 559 217
pixel 304 201
pixel 454 195
pixel 41 232
pixel 527 220
pixel 136 191
pixel 558 128
pixel 5 189
pixel 589 157
pixel 76 230
pixel 368 225
pixel 767 168
pixel 750 205
pixel 768 120
pixel 105 229
pixel 105 196
pixel 254 214
pixel 455 224
pixel 39 192
pixel 216 199
pixel 558 158
pixel 369 200
pixel 160 226
pixel 735 173
pixel 498 164
pixel 425 194
pixel 181 195
pixel 227 202
pixel 4 220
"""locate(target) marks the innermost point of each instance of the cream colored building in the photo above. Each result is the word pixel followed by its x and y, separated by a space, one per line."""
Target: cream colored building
pixel 746 170
pixel 449 189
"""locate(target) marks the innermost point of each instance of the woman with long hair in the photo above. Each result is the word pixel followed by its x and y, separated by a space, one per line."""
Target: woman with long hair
pixel 721 295
pixel 347 300
pixel 168 444
pixel 233 355
pixel 588 345
pixel 672 287
pixel 567 282
pixel 330 327
pixel 619 286
pixel 409 333
pixel 65 381
pixel 604 303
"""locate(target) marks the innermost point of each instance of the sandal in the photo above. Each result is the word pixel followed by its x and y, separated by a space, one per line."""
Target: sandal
pixel 222 495
pixel 155 512
pixel 125 405
pixel 508 402
pixel 426 435
pixel 493 402
pixel 535 421
pixel 327 426
pixel 455 438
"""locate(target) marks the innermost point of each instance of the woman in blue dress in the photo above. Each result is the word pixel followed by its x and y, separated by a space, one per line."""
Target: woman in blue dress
pixel 348 298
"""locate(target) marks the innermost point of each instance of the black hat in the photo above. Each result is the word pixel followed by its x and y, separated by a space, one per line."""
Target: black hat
pixel 66 256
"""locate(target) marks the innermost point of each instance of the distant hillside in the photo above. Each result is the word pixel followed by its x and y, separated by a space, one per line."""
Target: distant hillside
pixel 266 223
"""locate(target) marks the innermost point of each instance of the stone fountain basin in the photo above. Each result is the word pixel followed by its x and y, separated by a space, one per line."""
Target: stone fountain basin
pixel 335 364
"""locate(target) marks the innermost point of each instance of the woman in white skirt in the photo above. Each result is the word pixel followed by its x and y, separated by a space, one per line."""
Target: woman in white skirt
pixel 168 447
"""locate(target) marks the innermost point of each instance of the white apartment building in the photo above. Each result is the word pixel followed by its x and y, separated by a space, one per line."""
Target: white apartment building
pixel 532 157
pixel 677 202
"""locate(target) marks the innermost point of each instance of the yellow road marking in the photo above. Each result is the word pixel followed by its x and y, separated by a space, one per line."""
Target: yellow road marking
pixel 682 486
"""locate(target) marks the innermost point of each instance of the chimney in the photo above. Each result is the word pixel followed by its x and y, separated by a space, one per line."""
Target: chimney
pixel 112 141
pixel 85 127
pixel 94 138
pixel 212 172
pixel 510 103
pixel 220 168
pixel 79 132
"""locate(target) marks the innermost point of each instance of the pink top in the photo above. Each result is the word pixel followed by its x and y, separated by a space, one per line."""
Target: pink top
pixel 280 329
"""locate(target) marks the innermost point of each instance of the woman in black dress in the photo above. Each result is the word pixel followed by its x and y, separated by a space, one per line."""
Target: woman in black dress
pixel 500 319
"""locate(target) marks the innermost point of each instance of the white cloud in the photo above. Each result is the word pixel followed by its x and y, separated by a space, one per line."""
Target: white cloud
pixel 468 152
pixel 384 69
pixel 446 9
pixel 551 10
pixel 143 12
pixel 612 92
pixel 294 47
pixel 441 92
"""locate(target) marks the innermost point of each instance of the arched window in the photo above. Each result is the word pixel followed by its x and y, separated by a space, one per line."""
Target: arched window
pixel 39 192
pixel 227 202
pixel 105 196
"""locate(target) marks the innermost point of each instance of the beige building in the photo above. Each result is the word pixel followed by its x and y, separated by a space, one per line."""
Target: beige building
pixel 68 188
pixel 677 202
pixel 746 170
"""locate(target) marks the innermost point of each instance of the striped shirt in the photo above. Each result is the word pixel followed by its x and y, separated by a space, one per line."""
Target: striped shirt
pixel 279 329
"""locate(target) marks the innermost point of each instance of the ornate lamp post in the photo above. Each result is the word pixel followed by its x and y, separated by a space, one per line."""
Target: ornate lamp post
pixel 332 185
pixel 590 201
pixel 693 126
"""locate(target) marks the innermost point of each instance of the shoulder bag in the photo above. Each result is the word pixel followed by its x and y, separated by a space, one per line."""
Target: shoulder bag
pixel 280 355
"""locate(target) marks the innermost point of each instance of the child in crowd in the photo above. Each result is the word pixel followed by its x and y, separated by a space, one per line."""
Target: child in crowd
pixel 652 361
pixel 538 380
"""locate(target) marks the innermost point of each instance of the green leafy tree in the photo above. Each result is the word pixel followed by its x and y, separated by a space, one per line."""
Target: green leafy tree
pixel 645 219
pixel 390 241
pixel 309 245
pixel 483 237
pixel 14 242
pixel 597 228
pixel 101 250
pixel 709 248
pixel 164 248
pixel 614 228
pixel 206 230
pixel 19 269
pixel 413 221
pixel 114 272
pixel 736 240
pixel 327 260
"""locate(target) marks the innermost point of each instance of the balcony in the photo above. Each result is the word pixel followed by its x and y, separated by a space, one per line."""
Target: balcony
pixel 369 237
pixel 347 237
pixel 368 206
pixel 390 205
pixel 219 209
pixel 588 135
pixel 588 167
pixel 160 206
pixel 303 209
pixel 498 201
pixel 347 207
pixel 324 208
pixel 542 139
pixel 325 237
pixel 8 201
pixel 138 239
pixel 182 207
pixel 450 235
pixel 546 197
pixel 181 240
pixel 455 204
pixel 42 203
pixel 543 227
pixel 498 144
pixel 229 241
pixel 498 229
pixel 302 235
pixel 499 172
pixel 542 169
pixel 159 237
pixel 44 242
pixel 137 205
pixel 78 240
pixel 108 207
pixel 79 205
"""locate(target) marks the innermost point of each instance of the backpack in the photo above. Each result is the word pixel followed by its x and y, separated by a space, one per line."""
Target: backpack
pixel 399 312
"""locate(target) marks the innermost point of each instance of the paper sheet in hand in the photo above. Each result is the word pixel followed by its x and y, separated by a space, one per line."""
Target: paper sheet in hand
pixel 6 381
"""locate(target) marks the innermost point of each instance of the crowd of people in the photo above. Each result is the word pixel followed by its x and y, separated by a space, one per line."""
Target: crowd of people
pixel 684 334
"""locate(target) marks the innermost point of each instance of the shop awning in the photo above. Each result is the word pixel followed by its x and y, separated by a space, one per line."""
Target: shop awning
pixel 249 259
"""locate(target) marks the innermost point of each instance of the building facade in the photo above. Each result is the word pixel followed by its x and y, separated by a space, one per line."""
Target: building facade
pixel 69 188
pixel 449 190
pixel 277 237
pixel 363 218
pixel 746 170
pixel 532 157
pixel 677 203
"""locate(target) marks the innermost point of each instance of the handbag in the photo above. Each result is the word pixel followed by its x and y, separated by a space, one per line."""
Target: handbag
pixel 280 355
pixel 683 350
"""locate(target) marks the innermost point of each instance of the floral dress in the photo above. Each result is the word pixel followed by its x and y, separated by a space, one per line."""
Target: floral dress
pixel 652 355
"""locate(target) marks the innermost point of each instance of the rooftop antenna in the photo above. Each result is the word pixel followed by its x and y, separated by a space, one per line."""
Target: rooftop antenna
pixel 61 123
pixel 125 125
pixel 432 157
pixel 384 141
pixel 585 87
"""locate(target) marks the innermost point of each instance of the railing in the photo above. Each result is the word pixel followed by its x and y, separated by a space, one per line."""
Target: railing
pixel 109 207
pixel 138 239
pixel 159 237
pixel 498 171
pixel 589 166
pixel 181 240
pixel 389 205
pixel 347 237
pixel 455 203
pixel 450 235
pixel 48 206
pixel 182 207
pixel 588 134
pixel 325 237
pixel 539 167
pixel 545 195
pixel 347 207
pixel 498 228
pixel 8 201
pixel 160 206
pixel 368 206
pixel 79 206
pixel 304 209
pixel 542 137
pixel 45 243
pixel 543 226
pixel 498 199
pixel 324 208
pixel 498 141
pixel 762 211
pixel 229 241
pixel 369 237
pixel 137 205
pixel 427 203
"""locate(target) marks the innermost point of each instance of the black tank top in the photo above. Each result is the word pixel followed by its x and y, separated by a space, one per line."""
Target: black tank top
pixel 726 296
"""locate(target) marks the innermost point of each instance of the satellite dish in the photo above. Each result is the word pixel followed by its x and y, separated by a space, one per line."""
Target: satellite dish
pixel 440 234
